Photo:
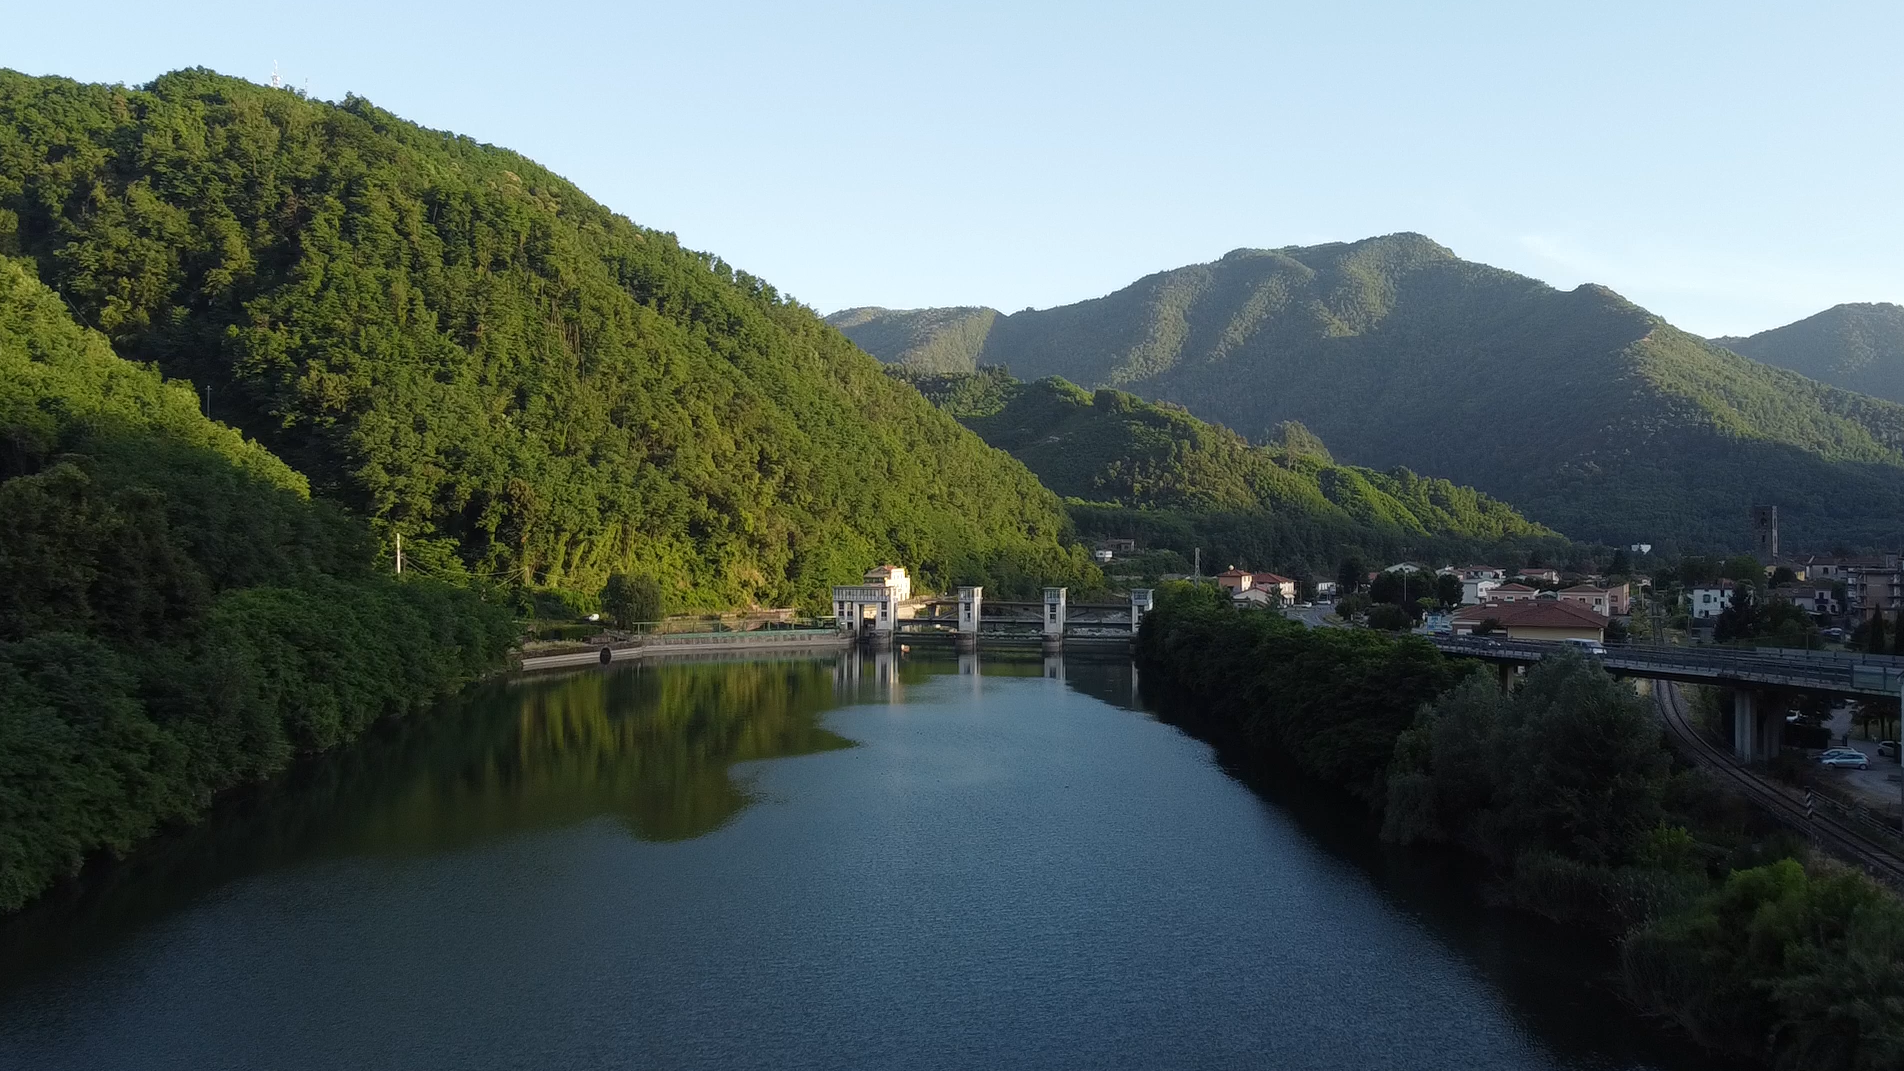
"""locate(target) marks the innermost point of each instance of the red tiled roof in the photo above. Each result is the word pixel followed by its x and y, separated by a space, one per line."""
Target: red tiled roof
pixel 1513 587
pixel 1584 589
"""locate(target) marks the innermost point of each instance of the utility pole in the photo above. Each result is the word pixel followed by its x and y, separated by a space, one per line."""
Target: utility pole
pixel 1198 568
pixel 208 401
pixel 399 553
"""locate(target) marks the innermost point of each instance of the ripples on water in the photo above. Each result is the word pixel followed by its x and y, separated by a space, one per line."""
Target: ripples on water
pixel 853 862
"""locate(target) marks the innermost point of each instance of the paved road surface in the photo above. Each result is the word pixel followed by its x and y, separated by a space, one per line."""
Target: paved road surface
pixel 1316 616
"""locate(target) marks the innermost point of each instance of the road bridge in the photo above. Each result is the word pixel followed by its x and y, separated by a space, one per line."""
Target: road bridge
pixel 1749 672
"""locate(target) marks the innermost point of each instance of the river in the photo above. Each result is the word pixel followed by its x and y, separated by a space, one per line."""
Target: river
pixel 891 862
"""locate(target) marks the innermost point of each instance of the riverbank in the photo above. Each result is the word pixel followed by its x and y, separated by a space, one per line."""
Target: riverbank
pixel 679 643
pixel 1565 792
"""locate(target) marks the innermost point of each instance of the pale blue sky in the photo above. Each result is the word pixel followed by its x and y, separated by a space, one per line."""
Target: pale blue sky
pixel 1732 166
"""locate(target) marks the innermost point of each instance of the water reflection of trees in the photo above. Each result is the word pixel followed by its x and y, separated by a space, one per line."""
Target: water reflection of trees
pixel 650 746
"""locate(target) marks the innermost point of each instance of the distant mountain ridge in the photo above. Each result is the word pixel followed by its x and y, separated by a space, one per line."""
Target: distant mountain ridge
pixel 1590 414
pixel 1858 346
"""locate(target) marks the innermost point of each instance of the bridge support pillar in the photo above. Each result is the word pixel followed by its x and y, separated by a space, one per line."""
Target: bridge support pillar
pixel 1757 730
pixel 1507 676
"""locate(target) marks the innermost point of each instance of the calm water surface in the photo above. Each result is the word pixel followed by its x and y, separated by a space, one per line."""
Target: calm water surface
pixel 824 863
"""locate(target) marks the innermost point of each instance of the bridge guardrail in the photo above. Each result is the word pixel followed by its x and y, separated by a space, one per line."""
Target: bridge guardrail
pixel 1800 669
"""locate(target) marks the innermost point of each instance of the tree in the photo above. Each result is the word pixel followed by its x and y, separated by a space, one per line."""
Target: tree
pixel 1395 587
pixel 1448 589
pixel 1874 634
pixel 1348 576
pixel 1621 565
pixel 1389 617
pixel 1783 575
pixel 1742 618
pixel 1489 626
pixel 1744 569
pixel 631 600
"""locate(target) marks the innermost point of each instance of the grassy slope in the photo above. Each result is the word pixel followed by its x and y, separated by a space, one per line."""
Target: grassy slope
pixel 460 345
pixel 1590 414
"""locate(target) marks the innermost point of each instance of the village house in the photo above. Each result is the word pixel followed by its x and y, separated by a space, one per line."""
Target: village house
pixel 1534 619
pixel 1818 599
pixel 1710 598
pixel 1261 598
pixel 1478 590
pixel 1512 593
pixel 1238 581
pixel 1610 601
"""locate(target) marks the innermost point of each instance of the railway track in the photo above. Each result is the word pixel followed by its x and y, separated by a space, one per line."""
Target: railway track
pixel 1842 838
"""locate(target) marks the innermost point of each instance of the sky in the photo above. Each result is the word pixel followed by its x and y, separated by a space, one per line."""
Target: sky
pixel 1732 166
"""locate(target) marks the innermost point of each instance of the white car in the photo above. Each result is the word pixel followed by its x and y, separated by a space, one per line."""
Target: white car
pixel 1844 756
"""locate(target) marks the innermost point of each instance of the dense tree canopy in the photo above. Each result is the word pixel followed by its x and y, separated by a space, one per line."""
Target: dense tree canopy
pixel 452 341
pixel 176 614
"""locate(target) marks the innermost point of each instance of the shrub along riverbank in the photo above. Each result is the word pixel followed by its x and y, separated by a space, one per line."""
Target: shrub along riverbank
pixel 1566 789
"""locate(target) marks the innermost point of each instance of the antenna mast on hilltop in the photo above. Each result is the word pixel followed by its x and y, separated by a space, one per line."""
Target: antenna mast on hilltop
pixel 277 80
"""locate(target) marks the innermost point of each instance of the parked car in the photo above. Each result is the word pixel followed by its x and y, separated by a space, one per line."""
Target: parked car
pixel 1833 634
pixel 1887 749
pixel 1845 757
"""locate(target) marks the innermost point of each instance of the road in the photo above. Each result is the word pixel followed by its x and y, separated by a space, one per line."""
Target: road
pixel 1317 616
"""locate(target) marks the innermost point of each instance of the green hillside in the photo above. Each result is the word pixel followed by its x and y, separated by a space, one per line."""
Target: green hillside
pixel 176 614
pixel 1588 413
pixel 1155 471
pixel 448 339
pixel 1859 347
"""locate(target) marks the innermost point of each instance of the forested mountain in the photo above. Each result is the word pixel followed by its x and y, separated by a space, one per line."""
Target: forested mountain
pixel 1586 412
pixel 1858 347
pixel 1134 468
pixel 930 340
pixel 176 614
pixel 452 341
